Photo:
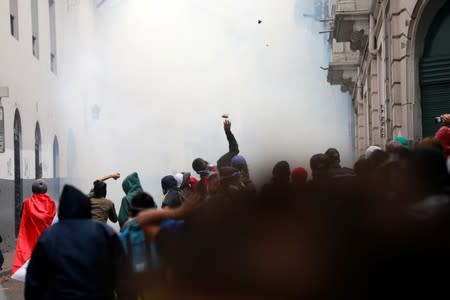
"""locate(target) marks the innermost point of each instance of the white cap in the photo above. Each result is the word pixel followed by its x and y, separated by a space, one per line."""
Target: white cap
pixel 179 179
pixel 371 150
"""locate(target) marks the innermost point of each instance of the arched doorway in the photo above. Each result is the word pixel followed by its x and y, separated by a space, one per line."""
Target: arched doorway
pixel 37 151
pixel 17 167
pixel 56 163
pixel 435 71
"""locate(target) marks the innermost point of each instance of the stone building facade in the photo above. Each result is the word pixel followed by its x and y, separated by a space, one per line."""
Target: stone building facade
pixel 393 57
pixel 40 44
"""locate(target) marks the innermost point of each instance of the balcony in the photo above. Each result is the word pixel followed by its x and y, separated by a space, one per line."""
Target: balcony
pixel 343 68
pixel 351 22
pixel 353 6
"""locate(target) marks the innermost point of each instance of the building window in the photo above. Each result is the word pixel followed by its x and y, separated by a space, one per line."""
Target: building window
pixel 35 27
pixel 14 18
pixel 18 183
pixel 37 151
pixel 53 57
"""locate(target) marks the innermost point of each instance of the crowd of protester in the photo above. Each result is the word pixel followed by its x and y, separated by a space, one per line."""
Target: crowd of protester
pixel 378 230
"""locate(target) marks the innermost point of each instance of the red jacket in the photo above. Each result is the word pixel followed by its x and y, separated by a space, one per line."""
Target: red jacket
pixel 443 135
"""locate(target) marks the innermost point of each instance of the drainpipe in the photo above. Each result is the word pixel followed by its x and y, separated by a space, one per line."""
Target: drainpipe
pixel 4 92
pixel 372 45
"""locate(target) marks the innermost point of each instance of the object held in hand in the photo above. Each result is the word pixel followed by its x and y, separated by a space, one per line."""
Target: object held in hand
pixel 225 116
pixel 438 120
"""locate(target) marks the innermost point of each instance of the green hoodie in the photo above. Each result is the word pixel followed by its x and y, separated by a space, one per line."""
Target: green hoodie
pixel 131 186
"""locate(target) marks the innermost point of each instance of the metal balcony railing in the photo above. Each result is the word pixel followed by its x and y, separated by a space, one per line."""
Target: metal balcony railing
pixel 353 6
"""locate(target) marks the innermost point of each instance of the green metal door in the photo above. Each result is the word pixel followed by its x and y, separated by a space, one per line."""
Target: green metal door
pixel 435 72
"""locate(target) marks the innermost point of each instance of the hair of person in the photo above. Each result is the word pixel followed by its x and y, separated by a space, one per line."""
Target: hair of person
pixel 100 189
pixel 361 166
pixel 140 202
pixel 333 155
pixel 281 170
pixel 199 164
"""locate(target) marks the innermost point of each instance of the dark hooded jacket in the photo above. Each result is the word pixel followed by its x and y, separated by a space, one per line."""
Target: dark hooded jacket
pixel 233 150
pixel 172 195
pixel 75 258
pixel 131 185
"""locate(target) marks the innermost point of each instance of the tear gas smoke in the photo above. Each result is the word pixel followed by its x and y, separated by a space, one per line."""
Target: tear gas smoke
pixel 146 83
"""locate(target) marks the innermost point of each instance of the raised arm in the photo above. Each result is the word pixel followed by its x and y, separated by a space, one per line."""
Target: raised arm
pixel 233 147
pixel 152 216
pixel 150 219
pixel 446 119
pixel 115 176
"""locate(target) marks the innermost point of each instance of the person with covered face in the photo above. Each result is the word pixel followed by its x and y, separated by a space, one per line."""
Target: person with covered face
pixel 240 163
pixel 131 186
pixel 204 169
pixel 77 257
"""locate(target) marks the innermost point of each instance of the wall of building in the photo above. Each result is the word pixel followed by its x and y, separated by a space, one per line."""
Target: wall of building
pixel 386 87
pixel 29 86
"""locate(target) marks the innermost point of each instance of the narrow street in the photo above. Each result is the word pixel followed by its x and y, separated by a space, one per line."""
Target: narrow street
pixel 11 290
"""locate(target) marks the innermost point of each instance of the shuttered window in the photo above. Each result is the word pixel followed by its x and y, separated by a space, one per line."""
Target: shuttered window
pixel 435 72
pixel 435 82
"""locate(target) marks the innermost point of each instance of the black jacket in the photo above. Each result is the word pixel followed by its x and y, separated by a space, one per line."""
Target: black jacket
pixel 75 258
pixel 233 150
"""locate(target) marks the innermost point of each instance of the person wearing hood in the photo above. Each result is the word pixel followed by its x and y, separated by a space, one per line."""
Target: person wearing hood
pixel 76 258
pixel 230 182
pixel 172 195
pixel 131 186
pixel 38 212
pixel 240 163
pixel 140 261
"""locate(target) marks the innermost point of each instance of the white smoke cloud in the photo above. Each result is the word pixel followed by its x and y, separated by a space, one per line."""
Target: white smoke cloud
pixel 163 72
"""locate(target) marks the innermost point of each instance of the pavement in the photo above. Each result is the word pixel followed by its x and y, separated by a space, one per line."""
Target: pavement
pixel 10 289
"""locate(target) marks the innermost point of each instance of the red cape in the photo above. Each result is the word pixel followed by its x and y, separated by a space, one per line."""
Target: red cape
pixel 37 215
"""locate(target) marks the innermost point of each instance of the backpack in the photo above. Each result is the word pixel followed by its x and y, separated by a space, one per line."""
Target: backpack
pixel 140 252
